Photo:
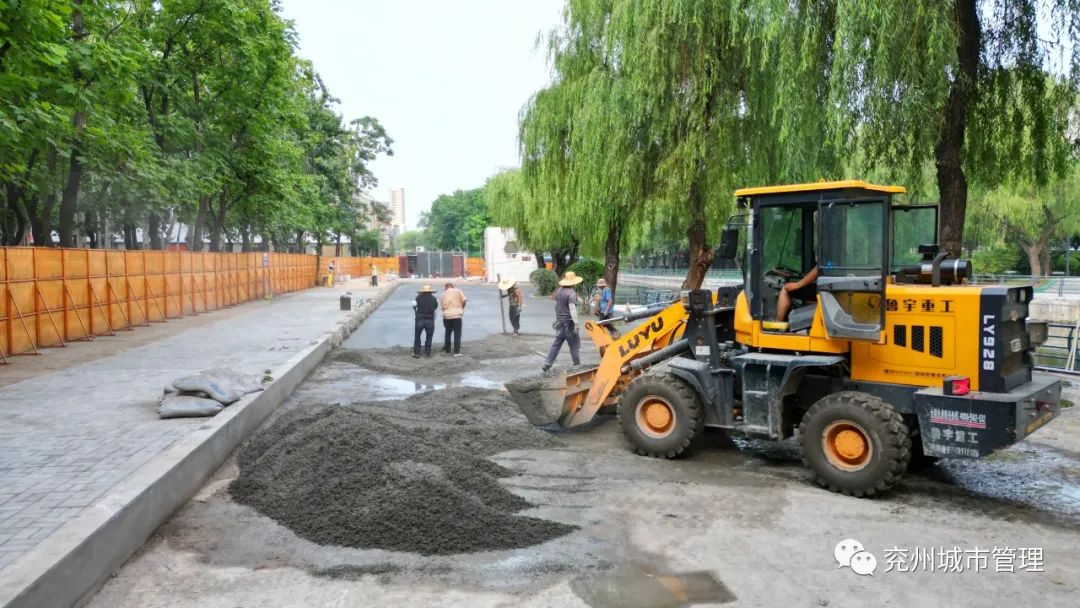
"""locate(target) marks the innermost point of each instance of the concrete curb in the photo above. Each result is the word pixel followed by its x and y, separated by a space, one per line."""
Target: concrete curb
pixel 67 568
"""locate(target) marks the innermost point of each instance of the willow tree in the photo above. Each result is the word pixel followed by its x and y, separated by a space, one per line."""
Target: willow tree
pixel 584 153
pixel 651 121
pixel 514 203
pixel 1034 218
pixel 959 84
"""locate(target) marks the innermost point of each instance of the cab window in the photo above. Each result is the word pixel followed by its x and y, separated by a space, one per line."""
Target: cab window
pixel 783 239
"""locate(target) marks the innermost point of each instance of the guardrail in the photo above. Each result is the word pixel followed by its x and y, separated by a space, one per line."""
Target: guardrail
pixel 1052 285
pixel 1049 285
pixel 1060 352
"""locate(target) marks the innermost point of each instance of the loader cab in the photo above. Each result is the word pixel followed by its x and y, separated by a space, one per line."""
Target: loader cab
pixel 839 230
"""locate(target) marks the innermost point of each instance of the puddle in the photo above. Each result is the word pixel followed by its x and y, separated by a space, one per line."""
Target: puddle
pixel 382 387
pixel 632 585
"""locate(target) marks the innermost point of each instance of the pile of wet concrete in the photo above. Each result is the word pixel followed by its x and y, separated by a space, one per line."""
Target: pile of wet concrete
pixel 407 475
pixel 399 360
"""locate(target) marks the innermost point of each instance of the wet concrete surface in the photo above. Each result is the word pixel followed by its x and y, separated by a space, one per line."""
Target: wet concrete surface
pixel 739 523
pixel 392 324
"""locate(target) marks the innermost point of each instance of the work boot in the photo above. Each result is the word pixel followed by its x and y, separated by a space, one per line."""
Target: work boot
pixel 546 367
pixel 415 356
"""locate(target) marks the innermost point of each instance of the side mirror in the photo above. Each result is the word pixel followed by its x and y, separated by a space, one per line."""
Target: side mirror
pixel 729 244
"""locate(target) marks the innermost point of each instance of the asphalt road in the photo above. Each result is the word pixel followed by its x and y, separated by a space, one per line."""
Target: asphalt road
pixel 392 324
pixel 739 522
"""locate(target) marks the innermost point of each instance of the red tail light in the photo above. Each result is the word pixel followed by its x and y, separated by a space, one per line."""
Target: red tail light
pixel 956 385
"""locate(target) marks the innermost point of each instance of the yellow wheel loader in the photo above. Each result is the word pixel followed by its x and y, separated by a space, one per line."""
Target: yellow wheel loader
pixel 884 357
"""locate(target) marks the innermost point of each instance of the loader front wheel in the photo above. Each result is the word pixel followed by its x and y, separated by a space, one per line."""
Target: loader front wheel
pixel 661 415
pixel 855 443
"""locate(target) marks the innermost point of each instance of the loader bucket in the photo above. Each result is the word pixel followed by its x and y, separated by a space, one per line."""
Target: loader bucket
pixel 550 398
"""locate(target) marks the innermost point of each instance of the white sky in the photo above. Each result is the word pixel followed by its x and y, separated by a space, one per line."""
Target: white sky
pixel 446 79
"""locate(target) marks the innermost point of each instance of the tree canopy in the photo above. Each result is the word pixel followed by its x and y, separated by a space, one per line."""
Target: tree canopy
pixel 456 221
pixel 659 109
pixel 131 117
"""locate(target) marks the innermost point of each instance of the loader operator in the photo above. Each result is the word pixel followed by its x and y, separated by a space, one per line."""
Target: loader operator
pixel 805 289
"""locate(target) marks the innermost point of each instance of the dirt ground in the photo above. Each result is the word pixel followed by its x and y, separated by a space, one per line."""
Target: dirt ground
pixel 740 523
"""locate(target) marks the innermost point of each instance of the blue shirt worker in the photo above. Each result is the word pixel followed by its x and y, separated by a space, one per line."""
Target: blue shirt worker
pixel 606 304
pixel 424 306
pixel 566 330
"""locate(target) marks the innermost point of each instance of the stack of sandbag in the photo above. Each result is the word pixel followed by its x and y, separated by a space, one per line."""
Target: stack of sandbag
pixel 206 393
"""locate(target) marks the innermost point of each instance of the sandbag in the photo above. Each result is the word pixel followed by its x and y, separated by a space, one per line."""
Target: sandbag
pixel 185 406
pixel 215 388
pixel 243 383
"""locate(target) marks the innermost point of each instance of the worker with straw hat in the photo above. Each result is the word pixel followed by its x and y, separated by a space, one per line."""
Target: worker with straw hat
pixel 424 306
pixel 516 302
pixel 566 330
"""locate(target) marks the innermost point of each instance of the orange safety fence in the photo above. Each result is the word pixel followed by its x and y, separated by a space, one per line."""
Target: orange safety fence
pixel 361 267
pixel 50 296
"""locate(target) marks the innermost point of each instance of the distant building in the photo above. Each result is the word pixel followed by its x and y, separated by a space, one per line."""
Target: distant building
pixel 397 208
pixel 371 219
pixel 503 257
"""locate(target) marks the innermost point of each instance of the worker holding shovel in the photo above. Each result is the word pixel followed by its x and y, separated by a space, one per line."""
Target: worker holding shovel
pixel 566 301
pixel 513 294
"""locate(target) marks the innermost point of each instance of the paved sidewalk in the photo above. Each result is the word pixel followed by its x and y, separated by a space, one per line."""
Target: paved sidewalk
pixel 69 436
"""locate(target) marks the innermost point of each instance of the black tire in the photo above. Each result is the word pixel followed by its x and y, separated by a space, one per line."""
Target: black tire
pixel 688 420
pixel 885 436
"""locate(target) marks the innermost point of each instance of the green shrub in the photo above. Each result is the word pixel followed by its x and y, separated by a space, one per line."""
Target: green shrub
pixel 590 270
pixel 544 280
pixel 997 259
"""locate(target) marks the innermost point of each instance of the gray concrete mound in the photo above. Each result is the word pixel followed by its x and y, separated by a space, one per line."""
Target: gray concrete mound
pixel 540 397
pixel 407 475
pixel 399 360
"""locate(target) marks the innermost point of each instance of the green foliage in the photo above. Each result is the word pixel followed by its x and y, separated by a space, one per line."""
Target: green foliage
pixel 410 239
pixel 544 280
pixel 998 259
pixel 590 270
pixel 457 221
pixel 1034 218
pixel 658 109
pixel 144 114
pixel 366 242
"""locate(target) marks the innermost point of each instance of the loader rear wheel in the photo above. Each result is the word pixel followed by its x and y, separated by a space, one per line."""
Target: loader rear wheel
pixel 661 415
pixel 855 443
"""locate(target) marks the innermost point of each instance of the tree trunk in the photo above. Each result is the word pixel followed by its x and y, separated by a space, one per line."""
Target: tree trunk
pixel 43 220
pixel 1034 260
pixel 540 264
pixel 93 231
pixel 154 228
pixel 697 233
pixel 195 237
pixel 337 245
pixel 129 236
pixel 218 224
pixel 948 153
pixel 611 255
pixel 70 199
